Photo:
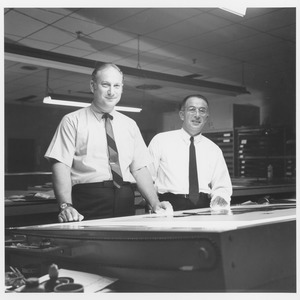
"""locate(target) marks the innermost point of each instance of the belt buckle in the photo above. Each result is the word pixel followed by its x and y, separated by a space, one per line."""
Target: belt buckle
pixel 107 183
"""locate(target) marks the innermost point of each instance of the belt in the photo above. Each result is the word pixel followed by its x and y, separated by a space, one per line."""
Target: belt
pixel 179 195
pixel 183 195
pixel 103 184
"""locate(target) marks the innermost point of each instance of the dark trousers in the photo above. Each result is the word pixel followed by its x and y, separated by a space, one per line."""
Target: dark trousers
pixel 182 202
pixel 102 200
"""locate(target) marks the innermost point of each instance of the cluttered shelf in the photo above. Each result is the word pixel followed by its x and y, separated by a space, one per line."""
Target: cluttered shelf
pixel 261 189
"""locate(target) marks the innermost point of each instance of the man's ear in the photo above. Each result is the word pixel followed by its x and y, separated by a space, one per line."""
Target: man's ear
pixel 181 115
pixel 92 86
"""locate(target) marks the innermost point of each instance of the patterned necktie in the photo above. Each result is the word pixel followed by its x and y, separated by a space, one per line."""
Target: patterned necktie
pixel 113 152
pixel 193 176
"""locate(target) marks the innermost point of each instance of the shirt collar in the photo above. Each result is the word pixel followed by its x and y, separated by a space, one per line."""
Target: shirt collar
pixel 186 136
pixel 99 113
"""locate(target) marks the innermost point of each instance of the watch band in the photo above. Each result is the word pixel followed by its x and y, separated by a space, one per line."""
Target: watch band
pixel 65 205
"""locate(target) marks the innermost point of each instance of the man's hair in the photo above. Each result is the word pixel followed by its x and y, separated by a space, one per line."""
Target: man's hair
pixel 182 104
pixel 103 66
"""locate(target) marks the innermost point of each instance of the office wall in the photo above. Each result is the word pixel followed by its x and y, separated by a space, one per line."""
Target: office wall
pixel 30 122
pixel 221 113
pixel 276 109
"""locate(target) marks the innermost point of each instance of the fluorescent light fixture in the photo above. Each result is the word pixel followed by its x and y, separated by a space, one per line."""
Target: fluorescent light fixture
pixel 49 100
pixel 236 9
pixel 128 108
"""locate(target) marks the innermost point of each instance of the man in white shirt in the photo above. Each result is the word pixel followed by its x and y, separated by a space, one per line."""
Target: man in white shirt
pixel 82 167
pixel 170 167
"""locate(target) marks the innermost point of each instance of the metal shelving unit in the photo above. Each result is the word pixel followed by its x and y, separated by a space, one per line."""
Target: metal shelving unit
pixel 225 140
pixel 264 152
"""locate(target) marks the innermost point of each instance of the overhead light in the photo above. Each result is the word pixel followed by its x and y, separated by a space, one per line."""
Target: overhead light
pixel 19 53
pixel 49 100
pixel 149 87
pixel 236 9
pixel 128 108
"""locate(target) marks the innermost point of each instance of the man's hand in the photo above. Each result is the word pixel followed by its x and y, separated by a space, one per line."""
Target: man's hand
pixel 163 208
pixel 69 214
pixel 219 203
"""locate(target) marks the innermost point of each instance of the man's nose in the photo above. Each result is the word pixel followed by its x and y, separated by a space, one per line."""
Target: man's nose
pixel 197 113
pixel 110 91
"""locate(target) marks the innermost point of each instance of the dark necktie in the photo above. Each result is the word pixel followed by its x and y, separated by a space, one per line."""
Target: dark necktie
pixel 113 152
pixel 193 176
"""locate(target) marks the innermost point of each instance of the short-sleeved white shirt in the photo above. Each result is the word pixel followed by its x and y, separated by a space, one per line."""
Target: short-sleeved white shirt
pixel 80 143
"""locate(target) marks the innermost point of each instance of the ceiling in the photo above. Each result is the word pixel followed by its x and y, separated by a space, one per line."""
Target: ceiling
pixel 166 53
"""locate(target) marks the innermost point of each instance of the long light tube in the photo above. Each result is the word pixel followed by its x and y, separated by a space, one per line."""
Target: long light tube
pixel 49 100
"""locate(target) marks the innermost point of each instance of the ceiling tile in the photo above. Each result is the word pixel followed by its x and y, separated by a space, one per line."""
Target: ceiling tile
pixel 120 52
pixel 106 16
pixel 207 22
pixel 43 15
pixel 11 38
pixel 247 44
pixel 174 63
pixel 148 20
pixel 286 33
pixel 59 11
pixel 254 12
pixel 191 27
pixel 155 67
pixel 59 74
pixel 132 61
pixel 269 21
pixel 9 64
pixel 250 13
pixel 26 81
pixel 24 25
pixel 103 56
pixel 171 50
pixel 43 45
pixel 144 43
pixel 269 55
pixel 72 24
pixel 71 51
pixel 128 62
pixel 87 44
pixel 18 68
pixel 58 36
pixel 111 36
pixel 219 36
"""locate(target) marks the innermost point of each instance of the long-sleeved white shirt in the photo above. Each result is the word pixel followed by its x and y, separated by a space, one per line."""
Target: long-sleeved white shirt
pixel 170 166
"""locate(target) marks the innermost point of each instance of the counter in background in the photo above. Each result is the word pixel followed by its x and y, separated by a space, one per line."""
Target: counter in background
pixel 247 189
pixel 29 207
pixel 21 181
pixel 34 211
pixel 35 206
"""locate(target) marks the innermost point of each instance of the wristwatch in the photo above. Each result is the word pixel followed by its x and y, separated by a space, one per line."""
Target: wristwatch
pixel 65 205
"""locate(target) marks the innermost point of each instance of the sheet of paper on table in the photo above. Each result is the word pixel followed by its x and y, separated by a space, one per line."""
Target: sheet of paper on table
pixel 92 282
